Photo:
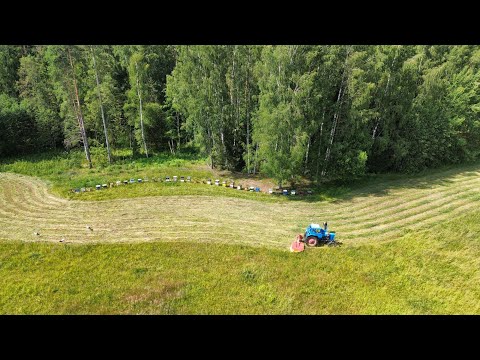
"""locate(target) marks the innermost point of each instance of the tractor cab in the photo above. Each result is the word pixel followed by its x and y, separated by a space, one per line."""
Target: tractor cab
pixel 316 234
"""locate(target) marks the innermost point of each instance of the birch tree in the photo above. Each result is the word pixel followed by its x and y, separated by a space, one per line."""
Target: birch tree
pixel 78 109
pixel 101 105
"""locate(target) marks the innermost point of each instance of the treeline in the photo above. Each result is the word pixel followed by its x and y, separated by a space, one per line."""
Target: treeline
pixel 318 111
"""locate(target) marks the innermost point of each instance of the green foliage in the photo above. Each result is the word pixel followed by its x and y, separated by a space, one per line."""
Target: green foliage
pixel 213 88
pixel 148 67
pixel 353 165
pixel 282 127
pixel 286 111
pixel 18 132
pixel 9 58
pixel 37 92
pixel 62 76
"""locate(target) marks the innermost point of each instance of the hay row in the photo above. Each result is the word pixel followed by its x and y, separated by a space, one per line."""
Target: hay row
pixel 27 207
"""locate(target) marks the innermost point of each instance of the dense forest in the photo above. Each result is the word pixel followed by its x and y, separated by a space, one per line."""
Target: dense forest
pixel 324 112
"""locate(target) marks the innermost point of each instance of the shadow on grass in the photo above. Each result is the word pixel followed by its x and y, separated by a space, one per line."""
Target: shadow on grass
pixel 382 184
pixel 159 158
pixel 36 158
pixel 119 156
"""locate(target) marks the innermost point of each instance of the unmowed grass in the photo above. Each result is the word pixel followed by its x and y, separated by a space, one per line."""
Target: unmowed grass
pixel 429 272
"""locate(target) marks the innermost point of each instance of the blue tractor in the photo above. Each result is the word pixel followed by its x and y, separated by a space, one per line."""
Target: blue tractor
pixel 316 235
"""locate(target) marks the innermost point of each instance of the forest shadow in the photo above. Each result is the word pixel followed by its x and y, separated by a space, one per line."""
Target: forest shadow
pixel 74 158
pixel 379 185
pixel 34 158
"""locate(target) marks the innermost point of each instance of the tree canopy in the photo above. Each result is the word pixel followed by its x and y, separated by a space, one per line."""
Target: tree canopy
pixel 321 111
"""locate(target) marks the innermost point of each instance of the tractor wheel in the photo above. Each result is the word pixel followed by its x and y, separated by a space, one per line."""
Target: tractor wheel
pixel 312 241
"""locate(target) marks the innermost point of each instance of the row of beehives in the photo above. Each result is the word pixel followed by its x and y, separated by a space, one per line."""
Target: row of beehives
pixel 188 179
pixel 257 189
pixel 233 186
pixel 132 181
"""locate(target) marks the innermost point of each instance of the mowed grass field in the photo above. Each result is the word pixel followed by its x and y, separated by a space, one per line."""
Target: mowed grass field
pixel 410 245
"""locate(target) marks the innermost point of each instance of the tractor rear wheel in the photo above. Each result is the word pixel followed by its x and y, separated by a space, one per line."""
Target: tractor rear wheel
pixel 312 241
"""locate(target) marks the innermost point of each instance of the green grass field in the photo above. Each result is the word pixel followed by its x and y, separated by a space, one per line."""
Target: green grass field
pixel 434 272
pixel 410 244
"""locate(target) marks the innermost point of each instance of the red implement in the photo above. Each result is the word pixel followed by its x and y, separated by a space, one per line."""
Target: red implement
pixel 298 245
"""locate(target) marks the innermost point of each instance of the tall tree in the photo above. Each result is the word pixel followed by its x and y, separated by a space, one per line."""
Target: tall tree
pixel 10 60
pixel 78 109
pixel 139 93
pixel 214 88
pixel 147 68
pixel 101 105
pixel 286 80
pixel 323 112
pixel 338 109
pixel 36 90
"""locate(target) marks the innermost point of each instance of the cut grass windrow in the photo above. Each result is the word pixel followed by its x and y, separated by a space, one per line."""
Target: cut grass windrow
pixel 26 206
